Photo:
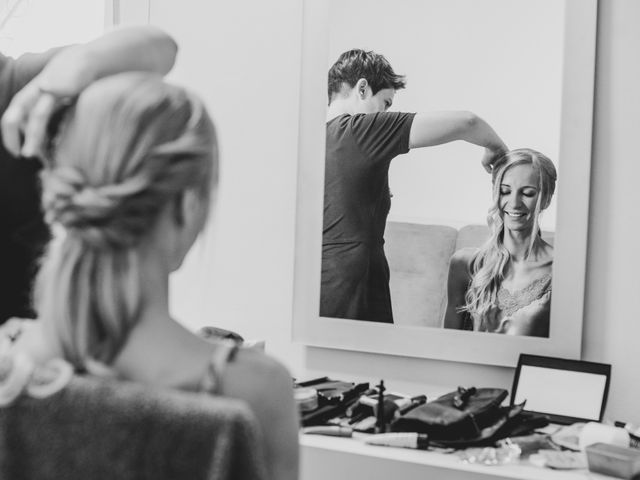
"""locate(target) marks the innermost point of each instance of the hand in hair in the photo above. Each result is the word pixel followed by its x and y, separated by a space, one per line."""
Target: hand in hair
pixel 24 123
pixel 491 156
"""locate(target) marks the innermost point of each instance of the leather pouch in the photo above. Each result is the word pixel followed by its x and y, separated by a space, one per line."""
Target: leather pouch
pixel 460 416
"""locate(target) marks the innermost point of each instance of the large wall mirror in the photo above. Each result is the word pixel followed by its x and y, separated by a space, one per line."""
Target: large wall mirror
pixel 526 67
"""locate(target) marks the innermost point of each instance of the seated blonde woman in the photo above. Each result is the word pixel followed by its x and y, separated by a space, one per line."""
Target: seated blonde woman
pixel 133 173
pixel 505 286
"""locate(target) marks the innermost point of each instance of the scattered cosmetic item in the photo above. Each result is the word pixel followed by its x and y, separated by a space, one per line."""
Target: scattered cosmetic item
pixel 352 410
pixel 356 392
pixel 632 429
pixel 559 459
pixel 358 417
pixel 413 403
pixel 621 462
pixel 306 398
pixel 366 425
pixel 321 415
pixel 634 433
pixel 333 431
pixel 313 381
pixel 594 432
pixel 418 441
pixel 506 453
pixel 381 425
pixel 394 406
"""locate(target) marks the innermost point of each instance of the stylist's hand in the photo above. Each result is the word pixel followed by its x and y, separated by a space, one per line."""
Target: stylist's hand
pixel 492 155
pixel 139 48
pixel 24 123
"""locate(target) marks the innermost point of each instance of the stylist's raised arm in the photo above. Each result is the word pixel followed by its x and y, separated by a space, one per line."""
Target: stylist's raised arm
pixel 70 71
pixel 435 128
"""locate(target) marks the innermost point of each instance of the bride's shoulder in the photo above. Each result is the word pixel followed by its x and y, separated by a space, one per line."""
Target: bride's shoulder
pixel 544 253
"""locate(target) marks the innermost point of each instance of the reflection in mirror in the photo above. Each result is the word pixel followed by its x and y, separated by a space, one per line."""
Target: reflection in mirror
pixel 505 285
pixel 480 72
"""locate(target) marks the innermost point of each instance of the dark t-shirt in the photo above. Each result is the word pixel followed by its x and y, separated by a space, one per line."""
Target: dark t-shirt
pixel 22 229
pixel 355 277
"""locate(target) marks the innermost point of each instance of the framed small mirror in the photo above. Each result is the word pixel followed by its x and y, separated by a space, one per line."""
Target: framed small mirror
pixel 525 66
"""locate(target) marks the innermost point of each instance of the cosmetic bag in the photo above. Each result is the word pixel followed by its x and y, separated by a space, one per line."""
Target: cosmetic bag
pixel 334 398
pixel 463 418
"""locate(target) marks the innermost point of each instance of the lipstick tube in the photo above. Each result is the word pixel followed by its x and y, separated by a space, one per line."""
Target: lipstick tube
pixel 414 440
pixel 333 431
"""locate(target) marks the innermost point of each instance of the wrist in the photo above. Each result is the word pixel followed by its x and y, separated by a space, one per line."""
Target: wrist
pixel 497 147
pixel 68 73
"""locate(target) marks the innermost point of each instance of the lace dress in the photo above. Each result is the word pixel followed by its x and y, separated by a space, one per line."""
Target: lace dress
pixel 528 306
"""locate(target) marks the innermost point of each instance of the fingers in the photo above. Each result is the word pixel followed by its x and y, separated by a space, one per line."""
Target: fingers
pixel 11 136
pixel 24 123
pixel 15 117
pixel 491 157
pixel 487 160
pixel 35 134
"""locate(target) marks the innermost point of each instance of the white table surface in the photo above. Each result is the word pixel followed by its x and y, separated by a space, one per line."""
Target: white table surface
pixel 336 458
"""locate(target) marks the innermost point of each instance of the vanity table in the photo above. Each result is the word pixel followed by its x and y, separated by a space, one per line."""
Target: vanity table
pixel 337 458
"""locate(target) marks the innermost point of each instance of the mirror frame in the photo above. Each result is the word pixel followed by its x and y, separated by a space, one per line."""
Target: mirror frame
pixel 570 245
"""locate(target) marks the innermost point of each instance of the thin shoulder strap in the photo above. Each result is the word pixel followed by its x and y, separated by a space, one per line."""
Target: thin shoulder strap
pixel 224 351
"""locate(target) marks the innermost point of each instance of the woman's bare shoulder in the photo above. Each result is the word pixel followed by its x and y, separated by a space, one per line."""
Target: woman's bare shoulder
pixel 253 372
pixel 256 360
pixel 266 385
pixel 544 252
pixel 461 260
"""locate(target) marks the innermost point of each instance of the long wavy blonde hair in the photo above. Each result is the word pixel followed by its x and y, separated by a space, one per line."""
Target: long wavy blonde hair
pixel 489 265
pixel 131 144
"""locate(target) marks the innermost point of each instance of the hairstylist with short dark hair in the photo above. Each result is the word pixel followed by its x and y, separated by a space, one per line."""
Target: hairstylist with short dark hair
pixel 362 139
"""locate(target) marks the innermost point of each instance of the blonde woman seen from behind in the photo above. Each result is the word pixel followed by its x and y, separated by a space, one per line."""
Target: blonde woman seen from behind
pixel 134 172
pixel 505 286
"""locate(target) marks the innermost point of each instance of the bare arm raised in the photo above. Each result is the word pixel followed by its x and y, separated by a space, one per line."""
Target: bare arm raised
pixel 24 123
pixel 436 128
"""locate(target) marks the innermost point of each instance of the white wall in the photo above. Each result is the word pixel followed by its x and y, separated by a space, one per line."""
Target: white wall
pixel 38 25
pixel 612 326
pixel 244 58
pixel 501 59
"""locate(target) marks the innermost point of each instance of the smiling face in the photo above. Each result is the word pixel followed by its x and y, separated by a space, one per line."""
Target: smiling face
pixel 519 191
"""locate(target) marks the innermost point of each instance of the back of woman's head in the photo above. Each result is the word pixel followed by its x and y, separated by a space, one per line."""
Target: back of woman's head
pixel 491 261
pixel 131 145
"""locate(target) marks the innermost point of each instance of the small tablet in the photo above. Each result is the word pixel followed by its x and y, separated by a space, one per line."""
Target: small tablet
pixel 567 391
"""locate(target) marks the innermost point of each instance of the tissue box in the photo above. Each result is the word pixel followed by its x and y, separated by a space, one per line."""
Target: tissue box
pixel 621 462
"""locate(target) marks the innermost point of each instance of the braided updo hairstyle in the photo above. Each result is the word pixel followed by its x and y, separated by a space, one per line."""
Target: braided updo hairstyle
pixel 131 144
